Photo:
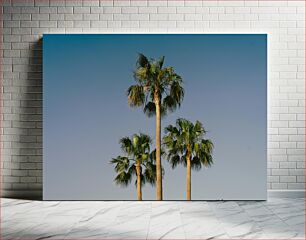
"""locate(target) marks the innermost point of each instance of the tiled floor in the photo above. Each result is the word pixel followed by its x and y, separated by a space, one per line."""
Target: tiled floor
pixel 274 219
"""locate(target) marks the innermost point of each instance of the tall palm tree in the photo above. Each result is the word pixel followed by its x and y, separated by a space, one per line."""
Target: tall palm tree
pixel 185 145
pixel 158 90
pixel 138 161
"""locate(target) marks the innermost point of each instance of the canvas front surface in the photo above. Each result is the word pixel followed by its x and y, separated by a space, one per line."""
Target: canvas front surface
pixel 86 112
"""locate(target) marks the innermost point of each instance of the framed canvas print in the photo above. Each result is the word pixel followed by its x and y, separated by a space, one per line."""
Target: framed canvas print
pixel 154 116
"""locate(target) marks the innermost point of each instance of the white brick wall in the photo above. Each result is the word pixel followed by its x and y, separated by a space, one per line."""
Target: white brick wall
pixel 24 22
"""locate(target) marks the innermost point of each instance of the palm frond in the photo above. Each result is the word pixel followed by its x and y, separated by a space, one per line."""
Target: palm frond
pixel 126 145
pixel 136 95
pixel 169 103
pixel 142 60
pixel 150 173
pixel 161 62
pixel 196 163
pixel 174 160
pixel 150 109
pixel 177 92
pixel 123 179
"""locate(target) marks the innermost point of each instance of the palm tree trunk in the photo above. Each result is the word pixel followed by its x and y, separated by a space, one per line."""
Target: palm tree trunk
pixel 188 178
pixel 159 186
pixel 139 192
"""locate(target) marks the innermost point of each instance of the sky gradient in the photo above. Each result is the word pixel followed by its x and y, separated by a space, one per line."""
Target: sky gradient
pixel 85 112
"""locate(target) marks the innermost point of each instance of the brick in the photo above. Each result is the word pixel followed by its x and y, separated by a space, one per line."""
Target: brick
pixel 298 157
pixel 20 186
pixel 82 24
pixel 296 172
pixel 21 31
pixel 300 164
pixel 278 158
pixel 76 16
pixel 202 10
pixel 167 24
pixel 19 173
pixel 96 10
pixel 166 10
pixel 280 172
pixel 74 3
pixel 44 3
pixel 185 9
pixel 287 145
pixel 157 3
pixel 300 145
pixel 130 24
pixel 193 17
pixel 242 10
pixel 81 9
pixel 11 179
pixel 230 17
pixel 11 9
pixel 111 10
pixel 273 144
pixel 40 16
pixel 296 151
pixel 11 53
pixel 300 179
pixel 65 24
pixel 56 17
pixel 185 24
pixel 57 3
pixel 140 17
pixel 297 138
pixel 287 131
pixel 29 24
pixel 297 124
pixel 216 10
pixel 287 179
pixel 36 173
pixel 222 24
pixel 105 17
pixel 63 10
pixel 98 24
pixel 91 3
pixel 27 179
pixel 273 164
pixel 11 24
pixel 289 116
pixel 279 124
pixel 287 165
pixel 29 10
pixel 196 3
pixel 129 10
pixel 279 186
pixel 160 17
pixel 147 9
pixel 22 16
pixel 296 185
pixel 273 179
pixel 23 3
pixel 288 103
pixel 91 16
pixel 148 24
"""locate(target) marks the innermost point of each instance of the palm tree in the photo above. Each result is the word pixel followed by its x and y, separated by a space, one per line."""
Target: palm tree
pixel 158 90
pixel 185 144
pixel 138 161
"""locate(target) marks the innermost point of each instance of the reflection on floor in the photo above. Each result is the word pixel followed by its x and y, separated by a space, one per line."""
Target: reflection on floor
pixel 274 219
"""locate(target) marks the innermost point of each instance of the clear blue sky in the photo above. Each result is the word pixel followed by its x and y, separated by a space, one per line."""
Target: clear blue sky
pixel 85 78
